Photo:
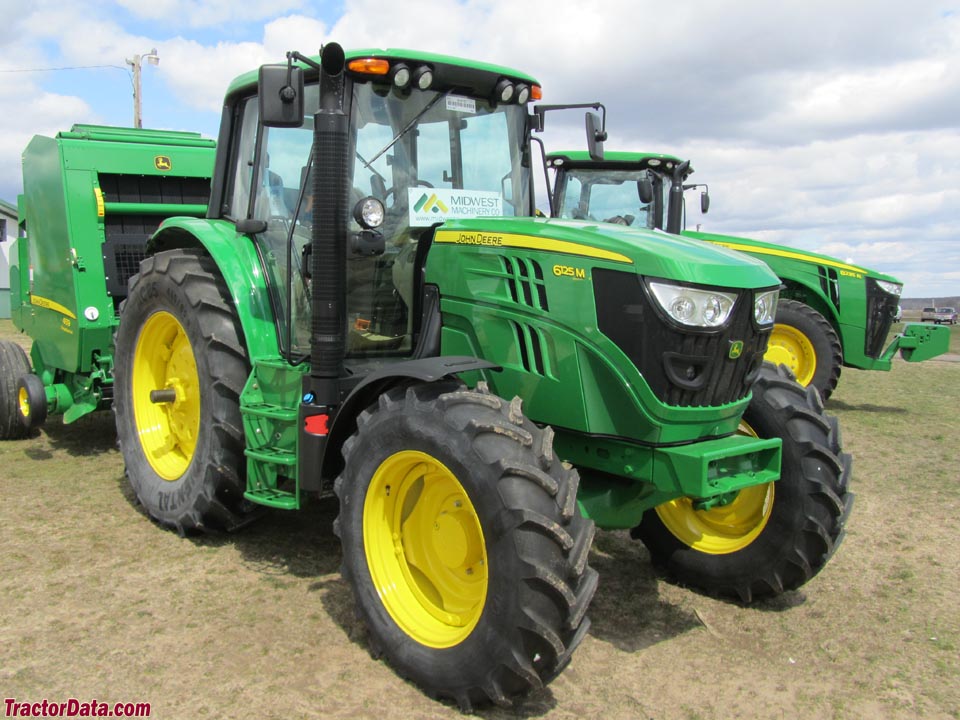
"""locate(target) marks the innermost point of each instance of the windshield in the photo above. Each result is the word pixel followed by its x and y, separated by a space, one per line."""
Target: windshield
pixel 611 196
pixel 428 156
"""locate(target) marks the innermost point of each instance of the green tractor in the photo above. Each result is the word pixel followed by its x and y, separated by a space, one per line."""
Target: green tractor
pixel 831 313
pixel 371 309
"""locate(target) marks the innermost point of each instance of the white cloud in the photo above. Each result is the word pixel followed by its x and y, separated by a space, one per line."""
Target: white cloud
pixel 204 13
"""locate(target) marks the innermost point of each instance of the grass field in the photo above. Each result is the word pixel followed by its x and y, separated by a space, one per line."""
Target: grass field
pixel 98 602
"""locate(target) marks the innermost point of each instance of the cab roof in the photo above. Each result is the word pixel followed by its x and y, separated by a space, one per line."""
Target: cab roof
pixel 613 160
pixel 248 80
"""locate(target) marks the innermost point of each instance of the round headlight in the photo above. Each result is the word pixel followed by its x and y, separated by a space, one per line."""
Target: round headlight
pixel 523 93
pixel 400 75
pixel 504 91
pixel 423 77
pixel 713 313
pixel 682 308
pixel 369 213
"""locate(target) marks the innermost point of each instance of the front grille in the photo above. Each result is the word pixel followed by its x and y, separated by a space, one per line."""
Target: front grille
pixel 684 367
pixel 881 309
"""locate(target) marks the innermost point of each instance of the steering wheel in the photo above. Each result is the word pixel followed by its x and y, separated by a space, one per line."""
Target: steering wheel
pixel 417 183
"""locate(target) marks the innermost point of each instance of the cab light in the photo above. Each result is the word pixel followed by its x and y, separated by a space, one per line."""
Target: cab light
pixel 536 92
pixel 523 94
pixel 504 91
pixel 423 77
pixel 400 75
pixel 369 212
pixel 369 66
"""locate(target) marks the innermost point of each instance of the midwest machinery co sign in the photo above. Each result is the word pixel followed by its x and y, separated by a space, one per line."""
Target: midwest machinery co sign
pixel 435 205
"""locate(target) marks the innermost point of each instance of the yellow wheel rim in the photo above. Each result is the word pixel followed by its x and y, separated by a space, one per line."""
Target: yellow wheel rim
pixel 722 529
pixel 23 400
pixel 425 549
pixel 788 346
pixel 163 360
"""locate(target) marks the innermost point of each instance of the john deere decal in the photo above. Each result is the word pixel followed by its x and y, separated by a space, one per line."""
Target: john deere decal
pixel 438 204
pixel 162 163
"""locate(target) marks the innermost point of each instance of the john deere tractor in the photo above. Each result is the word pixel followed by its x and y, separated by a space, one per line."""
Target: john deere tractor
pixel 369 308
pixel 832 314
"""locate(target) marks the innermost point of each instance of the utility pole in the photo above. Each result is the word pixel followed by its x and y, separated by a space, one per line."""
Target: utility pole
pixel 154 59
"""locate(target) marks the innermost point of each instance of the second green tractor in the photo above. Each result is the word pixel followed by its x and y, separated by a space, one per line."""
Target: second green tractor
pixel 832 314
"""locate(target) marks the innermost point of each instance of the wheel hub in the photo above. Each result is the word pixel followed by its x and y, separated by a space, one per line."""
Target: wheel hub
pixel 163 361
pixel 425 549
pixel 790 347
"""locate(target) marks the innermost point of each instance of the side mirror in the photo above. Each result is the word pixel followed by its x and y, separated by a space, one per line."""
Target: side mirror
pixel 645 190
pixel 281 96
pixel 704 202
pixel 595 136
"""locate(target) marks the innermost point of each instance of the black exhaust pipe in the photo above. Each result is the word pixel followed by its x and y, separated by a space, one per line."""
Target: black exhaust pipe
pixel 330 193
pixel 321 387
pixel 675 206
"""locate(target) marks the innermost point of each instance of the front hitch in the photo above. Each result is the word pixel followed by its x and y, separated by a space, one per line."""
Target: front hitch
pixel 919 342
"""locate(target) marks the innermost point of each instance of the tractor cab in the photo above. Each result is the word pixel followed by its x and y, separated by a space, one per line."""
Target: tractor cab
pixel 426 141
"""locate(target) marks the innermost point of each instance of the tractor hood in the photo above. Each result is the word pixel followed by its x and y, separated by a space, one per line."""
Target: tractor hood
pixel 648 253
pixel 779 251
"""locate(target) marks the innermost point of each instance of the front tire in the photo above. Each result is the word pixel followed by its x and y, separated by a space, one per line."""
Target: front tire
pixel 179 335
pixel 805 342
pixel 772 537
pixel 463 543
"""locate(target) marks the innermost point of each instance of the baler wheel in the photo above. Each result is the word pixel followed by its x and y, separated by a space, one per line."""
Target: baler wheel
pixel 773 537
pixel 13 364
pixel 180 366
pixel 31 401
pixel 463 543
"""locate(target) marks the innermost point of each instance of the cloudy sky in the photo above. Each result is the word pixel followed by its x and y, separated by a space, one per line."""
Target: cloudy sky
pixel 827 126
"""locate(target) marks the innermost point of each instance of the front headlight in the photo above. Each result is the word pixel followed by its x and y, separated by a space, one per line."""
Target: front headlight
pixel 765 307
pixel 694 306
pixel 889 287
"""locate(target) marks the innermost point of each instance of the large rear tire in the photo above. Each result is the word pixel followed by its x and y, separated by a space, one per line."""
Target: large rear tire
pixel 772 537
pixel 13 365
pixel 463 543
pixel 180 334
pixel 805 342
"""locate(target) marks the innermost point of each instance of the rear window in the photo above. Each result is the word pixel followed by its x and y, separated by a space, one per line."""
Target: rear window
pixel 946 310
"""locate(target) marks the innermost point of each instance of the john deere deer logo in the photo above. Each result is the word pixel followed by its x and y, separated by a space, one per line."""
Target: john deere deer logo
pixel 162 162
pixel 736 349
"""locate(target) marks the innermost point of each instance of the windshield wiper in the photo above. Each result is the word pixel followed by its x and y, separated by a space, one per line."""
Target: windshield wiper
pixel 407 128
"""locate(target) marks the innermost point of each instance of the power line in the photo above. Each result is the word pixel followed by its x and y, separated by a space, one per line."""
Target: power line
pixel 55 69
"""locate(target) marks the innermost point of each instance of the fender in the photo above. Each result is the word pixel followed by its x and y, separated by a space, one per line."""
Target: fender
pixel 366 392
pixel 236 257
